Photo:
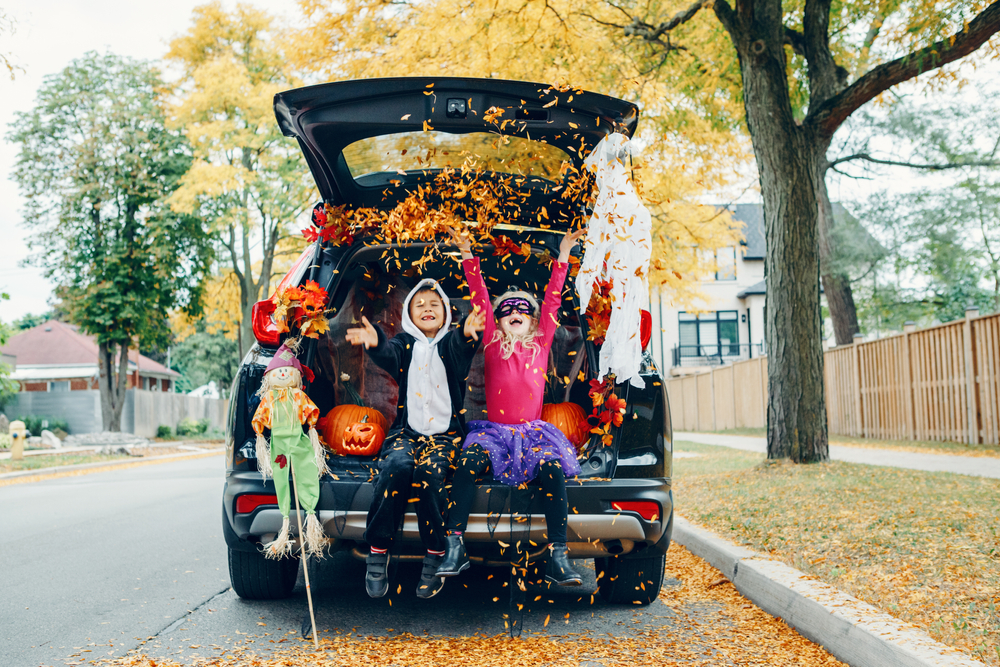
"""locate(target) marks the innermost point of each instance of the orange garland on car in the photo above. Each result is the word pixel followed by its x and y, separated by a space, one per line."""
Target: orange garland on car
pixel 601 420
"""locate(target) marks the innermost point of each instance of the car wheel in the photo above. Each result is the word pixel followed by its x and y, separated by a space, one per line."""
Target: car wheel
pixel 630 580
pixel 257 578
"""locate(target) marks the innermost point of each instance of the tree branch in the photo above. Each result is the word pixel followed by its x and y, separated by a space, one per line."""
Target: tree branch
pixel 796 40
pixel 653 33
pixel 913 165
pixel 829 115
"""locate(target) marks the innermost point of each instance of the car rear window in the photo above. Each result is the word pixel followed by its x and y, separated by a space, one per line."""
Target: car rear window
pixel 480 151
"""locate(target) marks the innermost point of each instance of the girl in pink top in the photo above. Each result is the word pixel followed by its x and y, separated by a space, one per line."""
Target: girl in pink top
pixel 515 444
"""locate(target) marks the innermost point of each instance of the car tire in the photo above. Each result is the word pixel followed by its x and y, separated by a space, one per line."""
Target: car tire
pixel 255 577
pixel 630 580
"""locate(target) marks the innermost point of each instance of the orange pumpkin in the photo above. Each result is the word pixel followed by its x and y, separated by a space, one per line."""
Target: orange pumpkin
pixel 568 418
pixel 342 416
pixel 362 439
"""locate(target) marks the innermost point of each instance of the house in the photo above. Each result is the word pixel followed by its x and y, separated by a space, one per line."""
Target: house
pixel 730 325
pixel 56 357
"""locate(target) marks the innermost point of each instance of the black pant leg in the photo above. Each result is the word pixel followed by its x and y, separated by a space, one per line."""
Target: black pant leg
pixel 473 463
pixel 433 463
pixel 393 488
pixel 554 500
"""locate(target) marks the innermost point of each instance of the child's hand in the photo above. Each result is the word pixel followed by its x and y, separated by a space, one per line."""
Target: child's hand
pixel 366 335
pixel 474 323
pixel 462 241
pixel 567 243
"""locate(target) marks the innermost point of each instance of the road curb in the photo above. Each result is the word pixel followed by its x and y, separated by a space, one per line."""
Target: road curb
pixel 851 630
pixel 60 471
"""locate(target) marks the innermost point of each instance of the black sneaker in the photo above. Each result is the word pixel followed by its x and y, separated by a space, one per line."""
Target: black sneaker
pixel 455 559
pixel 430 584
pixel 557 570
pixel 377 577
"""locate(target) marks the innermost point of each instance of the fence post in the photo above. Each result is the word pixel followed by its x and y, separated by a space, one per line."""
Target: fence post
pixel 908 414
pixel 856 358
pixel 972 397
pixel 715 420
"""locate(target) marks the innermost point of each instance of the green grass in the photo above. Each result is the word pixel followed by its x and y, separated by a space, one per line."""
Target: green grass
pixel 36 462
pixel 924 547
pixel 925 446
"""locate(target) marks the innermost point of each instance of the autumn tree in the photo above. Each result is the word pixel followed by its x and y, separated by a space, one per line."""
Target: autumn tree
pixel 246 180
pixel 683 148
pixel 803 69
pixel 96 163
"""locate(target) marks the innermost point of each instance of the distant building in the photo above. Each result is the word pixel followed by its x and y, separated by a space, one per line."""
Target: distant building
pixel 55 356
pixel 731 324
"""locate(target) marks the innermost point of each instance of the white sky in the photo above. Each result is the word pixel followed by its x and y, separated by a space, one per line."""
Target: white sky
pixel 51 33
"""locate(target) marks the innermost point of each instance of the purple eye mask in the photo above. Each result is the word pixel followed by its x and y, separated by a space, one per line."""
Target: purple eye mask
pixel 515 305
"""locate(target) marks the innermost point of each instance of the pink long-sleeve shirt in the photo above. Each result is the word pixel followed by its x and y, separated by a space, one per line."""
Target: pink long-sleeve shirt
pixel 515 387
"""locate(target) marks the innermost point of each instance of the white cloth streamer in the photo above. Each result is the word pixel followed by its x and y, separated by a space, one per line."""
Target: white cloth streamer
pixel 617 247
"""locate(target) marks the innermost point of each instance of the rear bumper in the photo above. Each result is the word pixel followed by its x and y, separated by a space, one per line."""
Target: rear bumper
pixel 595 527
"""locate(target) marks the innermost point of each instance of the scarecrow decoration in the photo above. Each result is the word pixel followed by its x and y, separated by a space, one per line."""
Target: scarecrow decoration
pixel 285 409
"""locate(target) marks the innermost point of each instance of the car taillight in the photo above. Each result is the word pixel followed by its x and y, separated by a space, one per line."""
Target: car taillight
pixel 264 329
pixel 248 502
pixel 645 328
pixel 647 509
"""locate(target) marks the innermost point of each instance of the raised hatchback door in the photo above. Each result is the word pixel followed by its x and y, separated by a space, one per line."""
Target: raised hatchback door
pixel 368 142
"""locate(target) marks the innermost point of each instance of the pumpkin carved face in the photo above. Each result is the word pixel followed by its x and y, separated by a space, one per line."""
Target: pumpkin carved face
pixel 568 418
pixel 363 439
pixel 340 418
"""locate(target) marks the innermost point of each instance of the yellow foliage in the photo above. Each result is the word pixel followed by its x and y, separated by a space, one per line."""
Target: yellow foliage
pixel 247 180
pixel 685 150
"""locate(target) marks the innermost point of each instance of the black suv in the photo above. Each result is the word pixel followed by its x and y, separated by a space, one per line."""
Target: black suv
pixel 370 143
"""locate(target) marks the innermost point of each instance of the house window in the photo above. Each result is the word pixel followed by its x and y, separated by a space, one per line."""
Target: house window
pixel 725 259
pixel 59 385
pixel 709 334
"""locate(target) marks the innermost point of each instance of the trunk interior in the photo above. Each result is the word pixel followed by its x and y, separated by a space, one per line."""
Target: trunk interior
pixel 375 281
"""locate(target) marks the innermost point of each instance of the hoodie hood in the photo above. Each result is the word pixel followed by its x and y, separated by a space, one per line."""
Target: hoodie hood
pixel 410 327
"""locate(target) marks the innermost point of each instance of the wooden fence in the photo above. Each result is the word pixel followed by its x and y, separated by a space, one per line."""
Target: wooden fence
pixel 940 383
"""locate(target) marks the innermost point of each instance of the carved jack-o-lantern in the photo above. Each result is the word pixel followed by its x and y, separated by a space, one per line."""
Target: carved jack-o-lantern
pixel 341 417
pixel 362 439
pixel 568 418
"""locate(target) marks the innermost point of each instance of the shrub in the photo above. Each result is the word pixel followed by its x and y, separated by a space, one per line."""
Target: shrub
pixel 202 425
pixel 187 426
pixel 35 427
pixel 164 431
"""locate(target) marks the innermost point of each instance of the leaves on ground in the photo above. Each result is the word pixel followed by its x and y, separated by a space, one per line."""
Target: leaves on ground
pixel 925 547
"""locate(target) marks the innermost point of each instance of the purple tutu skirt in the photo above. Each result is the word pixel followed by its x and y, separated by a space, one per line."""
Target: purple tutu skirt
pixel 516 450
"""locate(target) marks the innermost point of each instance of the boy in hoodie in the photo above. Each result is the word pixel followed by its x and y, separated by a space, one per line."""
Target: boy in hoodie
pixel 430 364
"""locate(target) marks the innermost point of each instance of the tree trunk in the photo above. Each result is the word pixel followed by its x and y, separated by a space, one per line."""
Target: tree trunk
pixel 112 384
pixel 836 285
pixel 787 158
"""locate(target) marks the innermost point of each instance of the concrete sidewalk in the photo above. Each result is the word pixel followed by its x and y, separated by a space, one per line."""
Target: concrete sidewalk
pixel 977 466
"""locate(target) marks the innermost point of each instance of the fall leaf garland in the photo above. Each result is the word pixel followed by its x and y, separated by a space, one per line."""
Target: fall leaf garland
pixel 609 410
pixel 303 308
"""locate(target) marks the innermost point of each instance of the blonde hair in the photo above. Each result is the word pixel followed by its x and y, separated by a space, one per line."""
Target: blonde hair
pixel 506 340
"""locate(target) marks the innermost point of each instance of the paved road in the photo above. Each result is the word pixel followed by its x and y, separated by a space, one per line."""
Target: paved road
pixel 107 557
pixel 978 466
pixel 134 558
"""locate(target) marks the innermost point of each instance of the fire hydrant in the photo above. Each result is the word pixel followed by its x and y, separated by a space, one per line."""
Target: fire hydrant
pixel 18 436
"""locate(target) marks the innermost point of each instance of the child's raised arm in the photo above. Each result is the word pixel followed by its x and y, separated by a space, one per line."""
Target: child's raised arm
pixel 548 318
pixel 480 296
